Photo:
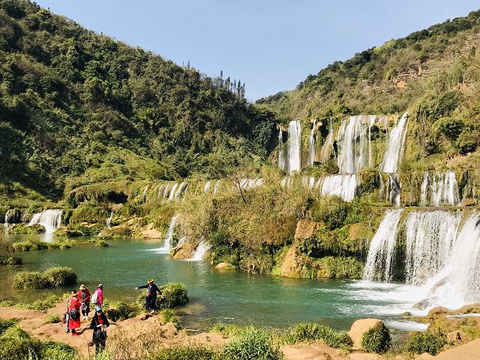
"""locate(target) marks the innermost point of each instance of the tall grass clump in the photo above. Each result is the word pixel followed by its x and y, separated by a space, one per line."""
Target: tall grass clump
pixel 7 251
pixel 425 342
pixel 53 277
pixel 376 340
pixel 253 344
pixel 190 352
pixel 314 332
pixel 174 295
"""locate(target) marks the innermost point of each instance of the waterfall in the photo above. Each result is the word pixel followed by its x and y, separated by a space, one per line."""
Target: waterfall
pixel 352 144
pixel 200 251
pixel 458 283
pixel 394 189
pixel 207 187
pixel 396 140
pixel 109 220
pixel 248 184
pixel 327 147
pixel 440 189
pixel 294 146
pixel 382 248
pixel 281 151
pixel 144 195
pixel 216 187
pixel 311 145
pixel 181 188
pixel 341 185
pixel 5 224
pixel 172 191
pixel 286 182
pixel 168 239
pixel 50 219
pixel 430 239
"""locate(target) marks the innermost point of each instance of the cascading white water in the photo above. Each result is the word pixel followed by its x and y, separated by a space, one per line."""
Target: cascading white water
pixel 395 189
pixel 181 189
pixel 294 146
pixel 281 151
pixel 173 191
pixel 50 219
pixel 286 182
pixel 341 185
pixel 395 144
pixel 439 189
pixel 430 240
pixel 382 248
pixel 109 220
pixel 167 246
pixel 352 144
pixel 207 186
pixel 216 187
pixel 5 224
pixel 458 282
pixel 311 144
pixel 200 251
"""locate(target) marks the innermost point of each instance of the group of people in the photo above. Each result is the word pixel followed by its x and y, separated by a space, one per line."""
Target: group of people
pixel 78 308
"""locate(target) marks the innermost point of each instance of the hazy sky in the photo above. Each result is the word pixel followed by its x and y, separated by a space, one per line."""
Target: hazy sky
pixel 271 45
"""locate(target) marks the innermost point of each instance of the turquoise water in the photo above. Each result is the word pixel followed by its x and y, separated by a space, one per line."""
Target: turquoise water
pixel 216 296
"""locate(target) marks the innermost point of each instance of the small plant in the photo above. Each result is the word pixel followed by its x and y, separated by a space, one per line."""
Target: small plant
pixel 60 276
pixel 254 344
pixel 116 310
pixel 52 319
pixel 420 343
pixel 312 331
pixel 6 324
pixel 376 340
pixel 169 316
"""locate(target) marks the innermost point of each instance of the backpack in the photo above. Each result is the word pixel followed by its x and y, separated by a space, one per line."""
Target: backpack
pixel 95 298
pixel 74 314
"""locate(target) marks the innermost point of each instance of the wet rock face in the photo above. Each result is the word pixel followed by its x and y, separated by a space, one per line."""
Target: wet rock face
pixel 305 230
pixel 184 251
pixel 360 327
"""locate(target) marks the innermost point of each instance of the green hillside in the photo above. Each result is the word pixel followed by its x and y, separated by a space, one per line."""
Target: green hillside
pixel 433 73
pixel 72 100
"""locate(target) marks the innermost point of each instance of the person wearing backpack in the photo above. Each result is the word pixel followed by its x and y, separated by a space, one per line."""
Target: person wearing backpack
pixel 151 295
pixel 99 324
pixel 97 297
pixel 73 312
pixel 84 297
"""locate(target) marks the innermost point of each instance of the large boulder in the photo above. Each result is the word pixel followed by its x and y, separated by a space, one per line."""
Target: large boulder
pixel 184 251
pixel 225 266
pixel 360 327
pixel 294 264
pixel 305 230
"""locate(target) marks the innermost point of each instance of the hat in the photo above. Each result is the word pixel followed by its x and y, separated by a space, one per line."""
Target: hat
pixel 100 286
pixel 98 308
pixel 82 287
pixel 150 281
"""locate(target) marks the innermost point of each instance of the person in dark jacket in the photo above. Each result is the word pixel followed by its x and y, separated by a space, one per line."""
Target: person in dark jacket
pixel 151 295
pixel 99 324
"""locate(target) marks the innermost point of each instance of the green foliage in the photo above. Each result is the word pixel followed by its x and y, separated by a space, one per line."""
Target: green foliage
pixel 173 295
pixel 57 350
pixel 52 319
pixel 376 340
pixel 313 332
pixel 420 343
pixel 52 277
pixel 229 329
pixel 332 211
pixel 253 344
pixel 339 268
pixel 120 310
pixel 6 324
pixel 191 352
pixel 170 316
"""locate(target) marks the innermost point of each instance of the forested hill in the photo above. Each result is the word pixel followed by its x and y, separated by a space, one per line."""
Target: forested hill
pixel 433 73
pixel 81 107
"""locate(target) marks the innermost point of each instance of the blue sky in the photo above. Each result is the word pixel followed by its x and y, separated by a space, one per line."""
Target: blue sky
pixel 271 45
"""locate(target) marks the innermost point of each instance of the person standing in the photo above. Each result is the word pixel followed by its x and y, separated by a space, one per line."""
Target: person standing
pixel 151 295
pixel 73 311
pixel 97 298
pixel 99 324
pixel 84 297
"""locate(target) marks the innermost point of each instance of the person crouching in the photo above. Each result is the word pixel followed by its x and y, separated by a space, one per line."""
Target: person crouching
pixel 99 324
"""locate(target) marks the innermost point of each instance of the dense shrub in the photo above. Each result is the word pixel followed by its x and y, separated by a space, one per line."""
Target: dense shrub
pixel 52 319
pixel 376 340
pixel 53 277
pixel 116 310
pixel 6 324
pixel 60 276
pixel 10 260
pixel 420 343
pixel 253 344
pixel 312 332
pixel 332 211
pixel 174 295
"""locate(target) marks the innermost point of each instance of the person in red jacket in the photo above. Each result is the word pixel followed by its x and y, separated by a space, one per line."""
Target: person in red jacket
pixel 84 297
pixel 73 310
